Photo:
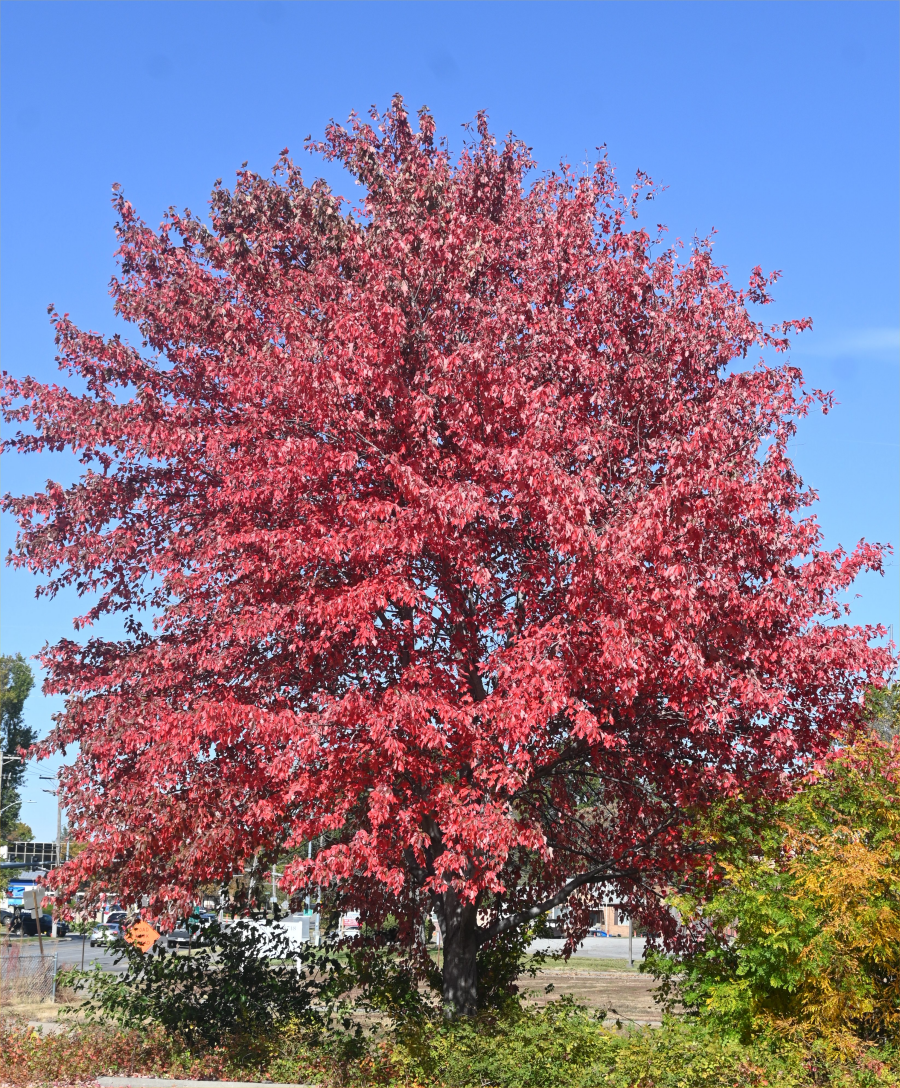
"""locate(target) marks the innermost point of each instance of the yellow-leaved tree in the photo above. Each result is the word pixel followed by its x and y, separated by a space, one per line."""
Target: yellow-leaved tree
pixel 797 920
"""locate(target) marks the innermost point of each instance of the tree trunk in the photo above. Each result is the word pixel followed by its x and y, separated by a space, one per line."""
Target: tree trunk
pixel 459 930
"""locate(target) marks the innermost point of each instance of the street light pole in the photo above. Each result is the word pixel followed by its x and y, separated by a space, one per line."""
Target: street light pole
pixel 55 793
pixel 2 758
pixel 13 805
pixel 58 837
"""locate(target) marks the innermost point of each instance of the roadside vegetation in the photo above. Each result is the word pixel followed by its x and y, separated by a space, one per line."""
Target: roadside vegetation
pixel 788 975
pixel 560 1046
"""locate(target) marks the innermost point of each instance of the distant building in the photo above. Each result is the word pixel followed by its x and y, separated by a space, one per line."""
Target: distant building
pixel 611 920
pixel 30 855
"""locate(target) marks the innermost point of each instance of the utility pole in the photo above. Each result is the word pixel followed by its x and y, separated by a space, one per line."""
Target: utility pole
pixel 309 857
pixel 19 758
pixel 319 906
pixel 58 861
pixel 55 793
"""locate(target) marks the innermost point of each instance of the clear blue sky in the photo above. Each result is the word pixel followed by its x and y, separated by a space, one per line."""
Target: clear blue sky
pixel 775 123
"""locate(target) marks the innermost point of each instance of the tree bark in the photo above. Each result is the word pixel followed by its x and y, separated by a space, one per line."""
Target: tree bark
pixel 459 931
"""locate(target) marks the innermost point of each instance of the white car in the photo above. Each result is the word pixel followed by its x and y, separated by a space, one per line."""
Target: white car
pixel 299 929
pixel 105 933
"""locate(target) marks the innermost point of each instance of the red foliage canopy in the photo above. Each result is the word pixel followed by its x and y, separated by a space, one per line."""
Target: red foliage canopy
pixel 468 548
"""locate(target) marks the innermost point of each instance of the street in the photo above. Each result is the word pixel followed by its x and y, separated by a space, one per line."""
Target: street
pixel 610 948
pixel 68 949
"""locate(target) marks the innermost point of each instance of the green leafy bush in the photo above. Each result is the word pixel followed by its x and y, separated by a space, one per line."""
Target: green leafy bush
pixel 241 982
pixel 802 912
pixel 502 962
pixel 244 979
pixel 517 1047
pixel 566 1046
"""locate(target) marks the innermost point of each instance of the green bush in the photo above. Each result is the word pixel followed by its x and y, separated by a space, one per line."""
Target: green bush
pixel 517 1047
pixel 228 988
pixel 565 1046
pixel 802 911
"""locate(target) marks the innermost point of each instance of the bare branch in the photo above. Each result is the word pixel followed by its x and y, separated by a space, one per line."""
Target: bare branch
pixel 592 876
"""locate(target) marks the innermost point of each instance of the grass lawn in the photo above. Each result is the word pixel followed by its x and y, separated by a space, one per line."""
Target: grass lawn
pixel 576 963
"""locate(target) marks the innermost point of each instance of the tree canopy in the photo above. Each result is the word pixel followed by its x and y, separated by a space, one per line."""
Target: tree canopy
pixel 16 682
pixel 472 545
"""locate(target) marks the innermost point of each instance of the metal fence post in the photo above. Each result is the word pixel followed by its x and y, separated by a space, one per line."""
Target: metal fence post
pixel 55 969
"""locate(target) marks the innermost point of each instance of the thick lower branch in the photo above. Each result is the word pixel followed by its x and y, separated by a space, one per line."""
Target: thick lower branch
pixel 592 876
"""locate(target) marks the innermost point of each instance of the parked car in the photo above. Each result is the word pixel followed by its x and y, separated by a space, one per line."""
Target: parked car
pixel 299 929
pixel 6 916
pixel 105 933
pixel 182 937
pixel 117 917
pixel 47 926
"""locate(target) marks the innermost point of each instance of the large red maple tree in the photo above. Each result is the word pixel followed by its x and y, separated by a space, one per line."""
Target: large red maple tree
pixel 451 532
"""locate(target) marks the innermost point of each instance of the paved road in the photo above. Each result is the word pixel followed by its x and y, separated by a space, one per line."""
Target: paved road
pixel 69 950
pixel 607 948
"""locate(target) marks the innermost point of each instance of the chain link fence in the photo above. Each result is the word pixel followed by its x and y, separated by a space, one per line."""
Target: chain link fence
pixel 28 979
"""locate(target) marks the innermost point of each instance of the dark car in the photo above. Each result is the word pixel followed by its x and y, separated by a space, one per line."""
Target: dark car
pixel 117 918
pixel 47 926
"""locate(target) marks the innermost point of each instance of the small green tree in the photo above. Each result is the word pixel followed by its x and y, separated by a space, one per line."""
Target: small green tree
pixel 884 710
pixel 797 925
pixel 16 683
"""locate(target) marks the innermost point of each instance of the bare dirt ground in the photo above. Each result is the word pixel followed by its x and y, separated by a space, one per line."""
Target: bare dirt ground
pixel 625 995
pixel 623 992
pixel 598 983
pixel 43 1017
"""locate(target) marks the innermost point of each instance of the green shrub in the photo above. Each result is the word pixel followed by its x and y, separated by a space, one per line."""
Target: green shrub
pixel 518 1047
pixel 565 1046
pixel 802 912
pixel 227 988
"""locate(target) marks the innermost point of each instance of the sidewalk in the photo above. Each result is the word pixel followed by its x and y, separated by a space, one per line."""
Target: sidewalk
pixel 159 1082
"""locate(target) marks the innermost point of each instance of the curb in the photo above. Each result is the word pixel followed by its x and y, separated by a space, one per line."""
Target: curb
pixel 161 1082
